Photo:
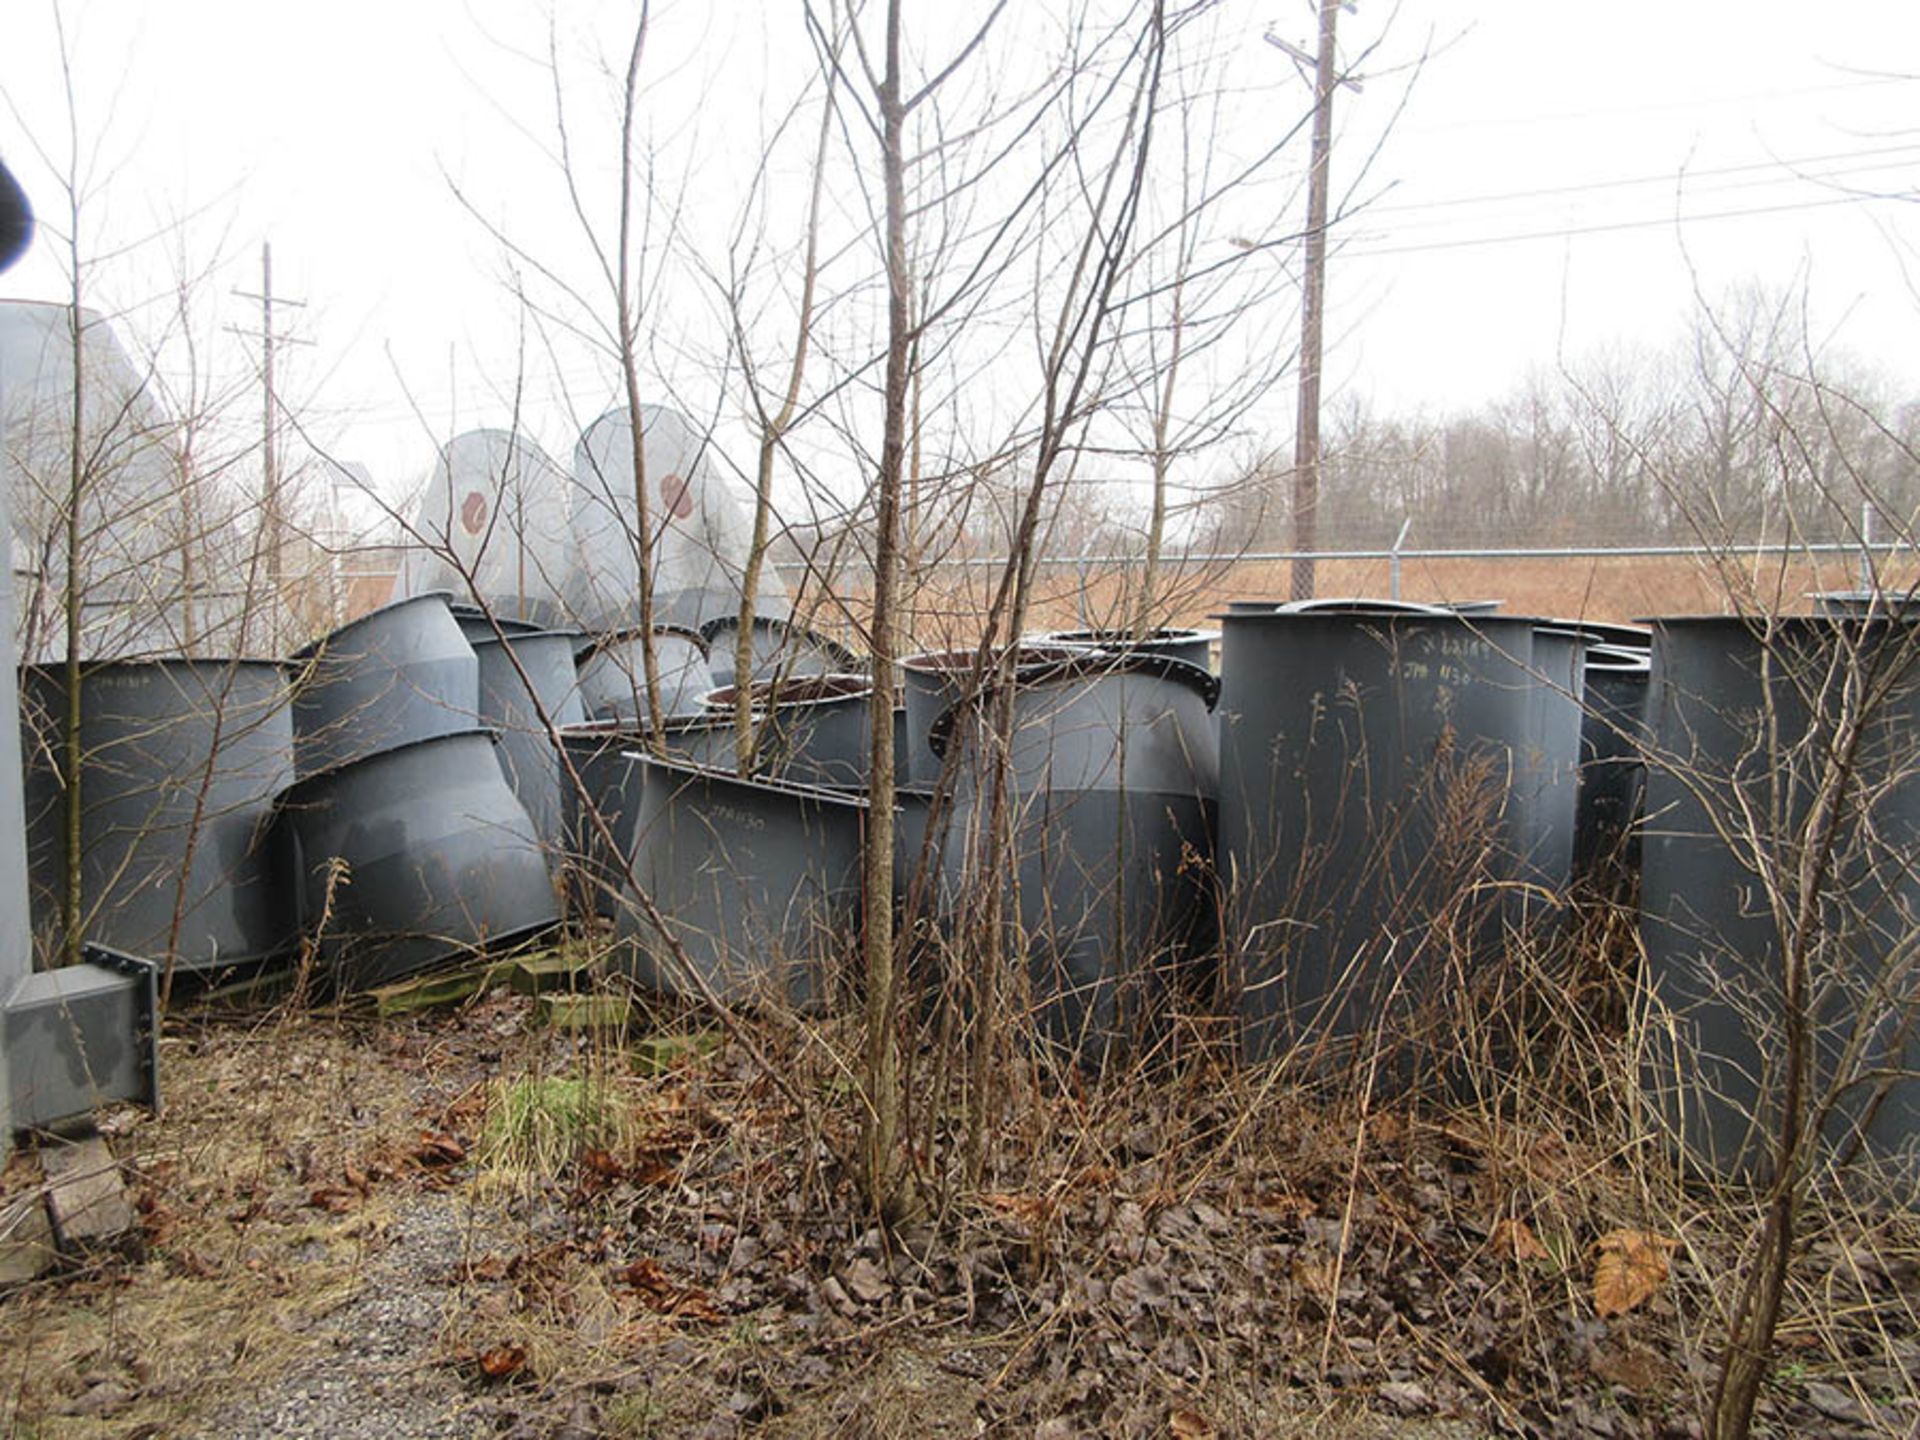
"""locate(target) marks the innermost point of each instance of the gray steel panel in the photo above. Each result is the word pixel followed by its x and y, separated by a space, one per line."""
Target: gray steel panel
pixel 513 707
pixel 182 759
pixel 1743 714
pixel 397 675
pixel 760 882
pixel 81 1036
pixel 613 683
pixel 1365 816
pixel 441 859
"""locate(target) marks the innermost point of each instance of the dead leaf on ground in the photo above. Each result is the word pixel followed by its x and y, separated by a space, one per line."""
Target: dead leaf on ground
pixel 866 1281
pixel 1387 1128
pixel 1190 1425
pixel 1514 1240
pixel 438 1148
pixel 489 1267
pixel 1284 1203
pixel 334 1199
pixel 1629 1268
pixel 1030 1209
pixel 663 1295
pixel 502 1361
pixel 601 1162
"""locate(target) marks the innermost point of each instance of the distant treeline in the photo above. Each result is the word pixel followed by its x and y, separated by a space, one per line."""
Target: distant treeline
pixel 1740 433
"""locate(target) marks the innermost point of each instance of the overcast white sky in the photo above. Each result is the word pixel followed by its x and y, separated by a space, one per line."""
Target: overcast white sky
pixel 1562 174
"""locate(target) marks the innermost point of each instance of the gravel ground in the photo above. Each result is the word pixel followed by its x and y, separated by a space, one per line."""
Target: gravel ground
pixel 383 1377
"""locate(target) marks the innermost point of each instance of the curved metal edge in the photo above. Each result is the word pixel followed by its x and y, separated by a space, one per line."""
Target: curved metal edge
pixel 721 698
pixel 16 219
pixel 89 668
pixel 816 794
pixel 838 653
pixel 313 649
pixel 591 643
pixel 287 797
pixel 1094 664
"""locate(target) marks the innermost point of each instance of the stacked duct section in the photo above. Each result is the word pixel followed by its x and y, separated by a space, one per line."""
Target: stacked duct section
pixel 1096 834
pixel 1779 888
pixel 408 845
pixel 160 544
pixel 1391 780
pixel 494 523
pixel 74 1037
pixel 180 761
pixel 701 531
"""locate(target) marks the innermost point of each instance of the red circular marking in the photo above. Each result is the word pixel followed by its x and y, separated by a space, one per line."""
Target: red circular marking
pixel 473 512
pixel 678 495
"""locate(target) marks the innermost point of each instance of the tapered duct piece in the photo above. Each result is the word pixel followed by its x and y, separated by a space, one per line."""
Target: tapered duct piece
pixel 1193 646
pixel 809 729
pixel 494 523
pixel 527 681
pixel 1106 858
pixel 780 649
pixel 1369 828
pixel 759 884
pixel 1782 825
pixel 700 526
pixel 1613 736
pixel 180 762
pixel 613 674
pixel 415 856
pixel 162 554
pixel 400 674
pixel 936 681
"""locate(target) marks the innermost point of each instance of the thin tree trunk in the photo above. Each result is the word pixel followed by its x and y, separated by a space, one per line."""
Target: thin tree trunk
pixel 1143 616
pixel 881 1137
pixel 630 382
pixel 771 432
pixel 1748 1357
pixel 72 918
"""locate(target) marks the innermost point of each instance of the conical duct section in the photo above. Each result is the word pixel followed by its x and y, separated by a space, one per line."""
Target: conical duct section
pixel 702 527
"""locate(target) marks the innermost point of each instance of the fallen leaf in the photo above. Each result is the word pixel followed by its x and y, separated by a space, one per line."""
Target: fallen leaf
pixel 1836 1404
pixel 1387 1128
pixel 356 1178
pixel 333 1199
pixel 1629 1268
pixel 866 1281
pixel 1190 1425
pixel 157 1219
pixel 660 1293
pixel 1030 1209
pixel 492 1266
pixel 1406 1397
pixel 652 1170
pixel 1515 1240
pixel 502 1361
pixel 438 1148
pixel 601 1162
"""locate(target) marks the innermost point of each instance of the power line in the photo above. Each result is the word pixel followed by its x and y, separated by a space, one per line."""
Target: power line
pixel 1610 226
pixel 1705 102
pixel 1669 177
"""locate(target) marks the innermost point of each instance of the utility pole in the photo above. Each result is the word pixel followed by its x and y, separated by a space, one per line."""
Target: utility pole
pixel 272 510
pixel 1306 435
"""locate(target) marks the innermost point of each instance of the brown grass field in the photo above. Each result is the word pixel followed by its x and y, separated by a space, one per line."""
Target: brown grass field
pixel 1606 588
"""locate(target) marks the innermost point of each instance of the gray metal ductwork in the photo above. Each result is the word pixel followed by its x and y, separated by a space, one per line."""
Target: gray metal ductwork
pixel 71 1038
pixel 80 1036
